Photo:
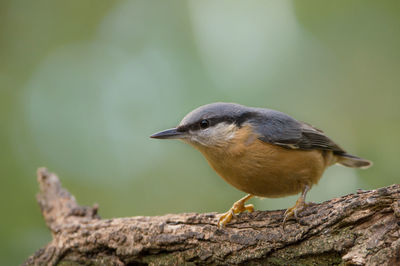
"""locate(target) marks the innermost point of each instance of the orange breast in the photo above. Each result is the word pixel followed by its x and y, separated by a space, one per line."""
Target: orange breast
pixel 264 169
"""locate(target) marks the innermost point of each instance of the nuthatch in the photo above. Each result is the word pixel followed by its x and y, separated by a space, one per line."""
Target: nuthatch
pixel 262 152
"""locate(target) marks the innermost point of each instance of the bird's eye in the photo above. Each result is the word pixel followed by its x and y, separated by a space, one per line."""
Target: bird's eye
pixel 204 124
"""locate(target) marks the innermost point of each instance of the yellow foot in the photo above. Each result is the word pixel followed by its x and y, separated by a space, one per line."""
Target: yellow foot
pixel 296 209
pixel 237 208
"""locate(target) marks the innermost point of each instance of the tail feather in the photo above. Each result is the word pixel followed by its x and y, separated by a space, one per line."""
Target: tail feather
pixel 353 161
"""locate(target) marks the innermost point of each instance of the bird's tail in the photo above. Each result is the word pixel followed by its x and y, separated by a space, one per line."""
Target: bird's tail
pixel 353 161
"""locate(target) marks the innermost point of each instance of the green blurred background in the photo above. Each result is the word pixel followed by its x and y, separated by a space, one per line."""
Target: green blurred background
pixel 84 83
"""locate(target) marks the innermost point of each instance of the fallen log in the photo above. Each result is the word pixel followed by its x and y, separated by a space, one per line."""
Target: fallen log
pixel 357 229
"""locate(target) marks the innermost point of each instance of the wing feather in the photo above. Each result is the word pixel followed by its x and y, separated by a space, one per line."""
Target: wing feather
pixel 282 130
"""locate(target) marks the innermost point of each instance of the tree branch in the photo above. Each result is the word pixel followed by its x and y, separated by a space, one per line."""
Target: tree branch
pixel 361 228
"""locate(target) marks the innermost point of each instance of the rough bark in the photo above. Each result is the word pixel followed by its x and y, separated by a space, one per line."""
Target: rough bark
pixel 359 229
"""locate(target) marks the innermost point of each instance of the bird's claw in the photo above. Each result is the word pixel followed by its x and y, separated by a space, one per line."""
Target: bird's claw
pixel 238 207
pixel 295 210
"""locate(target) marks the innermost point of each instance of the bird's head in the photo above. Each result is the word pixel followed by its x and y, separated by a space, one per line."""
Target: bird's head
pixel 211 125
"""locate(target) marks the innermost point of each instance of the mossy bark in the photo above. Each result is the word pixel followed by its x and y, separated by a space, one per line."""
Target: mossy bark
pixel 357 229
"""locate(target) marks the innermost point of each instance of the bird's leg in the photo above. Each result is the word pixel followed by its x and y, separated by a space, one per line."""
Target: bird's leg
pixel 298 207
pixel 237 208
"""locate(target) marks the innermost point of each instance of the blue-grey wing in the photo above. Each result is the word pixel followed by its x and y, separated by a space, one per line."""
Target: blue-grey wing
pixel 280 129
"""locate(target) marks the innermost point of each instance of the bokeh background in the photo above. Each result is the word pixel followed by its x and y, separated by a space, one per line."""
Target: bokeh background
pixel 84 83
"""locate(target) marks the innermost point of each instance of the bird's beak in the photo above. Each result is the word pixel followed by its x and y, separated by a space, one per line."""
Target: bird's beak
pixel 169 134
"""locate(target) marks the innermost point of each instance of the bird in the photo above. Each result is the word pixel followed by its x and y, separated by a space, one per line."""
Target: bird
pixel 262 152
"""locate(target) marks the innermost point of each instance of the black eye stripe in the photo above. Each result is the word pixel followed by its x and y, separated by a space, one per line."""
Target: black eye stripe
pixel 212 121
